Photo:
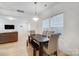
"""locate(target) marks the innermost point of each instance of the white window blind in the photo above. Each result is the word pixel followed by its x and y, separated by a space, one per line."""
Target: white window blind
pixel 56 23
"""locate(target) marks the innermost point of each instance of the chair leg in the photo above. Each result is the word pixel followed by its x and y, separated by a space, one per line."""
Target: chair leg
pixel 55 53
pixel 34 52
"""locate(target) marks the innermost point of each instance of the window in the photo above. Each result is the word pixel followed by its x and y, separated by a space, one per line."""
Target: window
pixel 57 21
pixel 45 24
pixel 55 24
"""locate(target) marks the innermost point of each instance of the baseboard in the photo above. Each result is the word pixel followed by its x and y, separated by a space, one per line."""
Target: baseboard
pixel 61 53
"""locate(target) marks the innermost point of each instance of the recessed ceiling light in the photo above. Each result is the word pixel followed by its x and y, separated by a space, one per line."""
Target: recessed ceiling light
pixel 10 18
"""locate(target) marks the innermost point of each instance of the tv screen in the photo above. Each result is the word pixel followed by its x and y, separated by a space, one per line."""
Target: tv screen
pixel 9 26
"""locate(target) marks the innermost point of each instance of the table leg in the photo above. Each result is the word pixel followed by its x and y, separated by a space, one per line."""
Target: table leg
pixel 28 38
pixel 40 49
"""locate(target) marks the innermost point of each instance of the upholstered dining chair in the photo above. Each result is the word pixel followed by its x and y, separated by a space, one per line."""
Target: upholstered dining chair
pixel 51 48
pixel 44 32
pixel 48 33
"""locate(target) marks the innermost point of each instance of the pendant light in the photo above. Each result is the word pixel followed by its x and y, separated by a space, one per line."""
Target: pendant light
pixel 35 18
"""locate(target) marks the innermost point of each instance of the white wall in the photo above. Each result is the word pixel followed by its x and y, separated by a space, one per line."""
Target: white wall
pixel 37 26
pixel 71 29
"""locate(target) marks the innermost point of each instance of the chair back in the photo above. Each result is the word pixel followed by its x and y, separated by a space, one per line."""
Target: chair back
pixel 49 33
pixel 45 32
pixel 32 32
pixel 53 43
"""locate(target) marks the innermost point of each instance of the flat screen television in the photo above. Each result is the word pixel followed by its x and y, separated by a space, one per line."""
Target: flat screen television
pixel 9 26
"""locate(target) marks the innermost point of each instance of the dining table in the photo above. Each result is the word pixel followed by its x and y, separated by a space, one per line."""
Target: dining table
pixel 40 39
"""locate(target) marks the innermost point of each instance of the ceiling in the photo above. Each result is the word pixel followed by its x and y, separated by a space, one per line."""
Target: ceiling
pixel 10 8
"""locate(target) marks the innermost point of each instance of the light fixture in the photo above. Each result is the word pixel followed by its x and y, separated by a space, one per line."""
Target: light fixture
pixel 35 18
pixel 10 18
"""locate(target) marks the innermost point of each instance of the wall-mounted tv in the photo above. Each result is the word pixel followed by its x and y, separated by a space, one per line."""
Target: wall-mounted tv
pixel 9 26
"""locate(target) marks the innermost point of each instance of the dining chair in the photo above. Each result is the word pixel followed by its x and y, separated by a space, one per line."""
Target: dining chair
pixel 44 32
pixel 32 32
pixel 51 48
pixel 48 33
pixel 35 47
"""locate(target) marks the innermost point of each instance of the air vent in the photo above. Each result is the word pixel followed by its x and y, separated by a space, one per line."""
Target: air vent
pixel 21 11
